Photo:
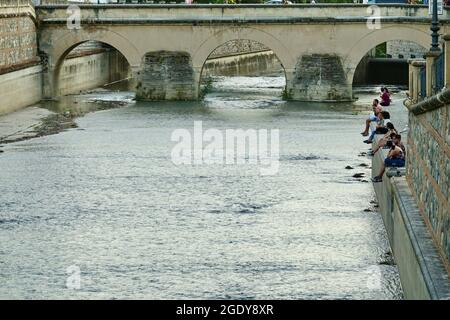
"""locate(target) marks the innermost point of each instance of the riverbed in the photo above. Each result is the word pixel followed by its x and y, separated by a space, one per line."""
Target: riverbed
pixel 100 211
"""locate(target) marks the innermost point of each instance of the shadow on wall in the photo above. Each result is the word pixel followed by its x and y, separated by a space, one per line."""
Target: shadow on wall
pixel 382 70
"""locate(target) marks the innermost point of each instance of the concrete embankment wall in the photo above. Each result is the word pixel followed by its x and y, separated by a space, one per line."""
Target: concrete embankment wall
pixel 20 88
pixel 23 87
pixel 89 70
pixel 242 57
pixel 255 63
pixel 414 212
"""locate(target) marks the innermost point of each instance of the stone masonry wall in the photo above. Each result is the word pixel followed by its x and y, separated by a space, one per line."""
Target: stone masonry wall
pixel 18 46
pixel 235 47
pixel 428 171
pixel 320 77
pixel 405 49
pixel 20 69
pixel 166 75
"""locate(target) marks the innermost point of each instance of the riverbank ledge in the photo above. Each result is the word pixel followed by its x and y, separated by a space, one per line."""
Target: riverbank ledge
pixel 414 209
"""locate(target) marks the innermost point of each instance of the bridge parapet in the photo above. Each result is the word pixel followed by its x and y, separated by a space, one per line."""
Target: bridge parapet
pixel 239 13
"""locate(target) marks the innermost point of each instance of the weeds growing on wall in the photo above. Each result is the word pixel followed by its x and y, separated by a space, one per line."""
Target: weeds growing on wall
pixel 285 94
pixel 207 87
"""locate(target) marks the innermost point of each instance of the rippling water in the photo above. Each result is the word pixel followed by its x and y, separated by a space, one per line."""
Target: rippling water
pixel 107 199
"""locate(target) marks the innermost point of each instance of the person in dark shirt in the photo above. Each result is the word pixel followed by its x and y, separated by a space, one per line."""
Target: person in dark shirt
pixel 389 136
pixel 395 158
pixel 385 97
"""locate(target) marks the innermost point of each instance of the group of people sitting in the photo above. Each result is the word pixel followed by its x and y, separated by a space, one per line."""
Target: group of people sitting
pixel 391 139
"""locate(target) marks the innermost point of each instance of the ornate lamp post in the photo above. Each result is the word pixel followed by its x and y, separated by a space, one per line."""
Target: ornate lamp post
pixel 435 28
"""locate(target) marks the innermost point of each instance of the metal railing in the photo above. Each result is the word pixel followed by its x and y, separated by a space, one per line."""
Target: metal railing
pixel 439 71
pixel 423 82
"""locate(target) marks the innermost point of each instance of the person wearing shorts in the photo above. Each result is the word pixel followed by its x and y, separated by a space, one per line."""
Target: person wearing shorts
pixel 376 109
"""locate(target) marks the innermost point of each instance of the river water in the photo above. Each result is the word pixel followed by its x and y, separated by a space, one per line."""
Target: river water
pixel 101 211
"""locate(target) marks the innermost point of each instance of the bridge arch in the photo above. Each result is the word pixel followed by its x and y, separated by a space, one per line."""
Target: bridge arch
pixel 387 33
pixel 60 47
pixel 218 39
pixel 245 33
pixel 267 61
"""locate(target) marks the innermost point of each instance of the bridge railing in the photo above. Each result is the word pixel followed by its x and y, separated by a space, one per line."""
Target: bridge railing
pixel 211 2
pixel 439 71
pixel 423 82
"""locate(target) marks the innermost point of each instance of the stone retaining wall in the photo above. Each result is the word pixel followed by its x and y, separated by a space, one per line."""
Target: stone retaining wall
pixel 20 70
pixel 428 167
pixel 20 88
pixel 405 49
pixel 18 44
pixel 423 273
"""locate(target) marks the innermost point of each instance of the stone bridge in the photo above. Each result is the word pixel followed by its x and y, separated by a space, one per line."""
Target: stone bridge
pixel 319 46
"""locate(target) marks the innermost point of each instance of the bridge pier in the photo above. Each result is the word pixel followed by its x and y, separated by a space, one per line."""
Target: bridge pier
pixel 167 75
pixel 319 77
pixel 170 75
pixel 49 78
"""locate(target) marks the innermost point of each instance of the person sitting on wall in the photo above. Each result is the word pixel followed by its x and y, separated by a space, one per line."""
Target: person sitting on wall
pixel 383 119
pixel 376 109
pixel 395 157
pixel 386 141
pixel 385 97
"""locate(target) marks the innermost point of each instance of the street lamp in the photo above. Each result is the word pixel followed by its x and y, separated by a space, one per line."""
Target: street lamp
pixel 435 28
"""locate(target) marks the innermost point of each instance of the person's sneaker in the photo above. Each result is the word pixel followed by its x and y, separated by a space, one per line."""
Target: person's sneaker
pixel 364 134
pixel 367 141
pixel 377 179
